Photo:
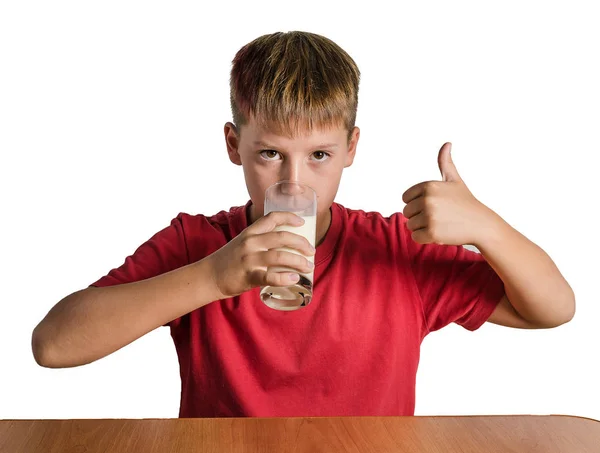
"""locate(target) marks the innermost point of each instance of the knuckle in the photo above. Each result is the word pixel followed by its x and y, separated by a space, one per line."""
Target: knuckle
pixel 281 279
pixel 430 188
pixel 432 233
pixel 245 243
pixel 245 260
pixel 275 279
pixel 279 256
pixel 411 224
pixel 429 202
pixel 302 264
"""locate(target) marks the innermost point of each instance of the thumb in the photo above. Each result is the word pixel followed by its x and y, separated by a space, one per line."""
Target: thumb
pixel 447 168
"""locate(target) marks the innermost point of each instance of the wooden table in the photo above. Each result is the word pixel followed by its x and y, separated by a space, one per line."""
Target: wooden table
pixel 489 434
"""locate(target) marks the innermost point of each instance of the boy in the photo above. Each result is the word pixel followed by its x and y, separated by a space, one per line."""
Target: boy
pixel 381 284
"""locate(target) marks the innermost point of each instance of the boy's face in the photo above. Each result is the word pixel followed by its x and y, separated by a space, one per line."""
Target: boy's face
pixel 316 159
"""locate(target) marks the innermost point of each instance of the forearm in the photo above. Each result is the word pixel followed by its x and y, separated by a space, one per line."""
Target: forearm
pixel 95 322
pixel 533 284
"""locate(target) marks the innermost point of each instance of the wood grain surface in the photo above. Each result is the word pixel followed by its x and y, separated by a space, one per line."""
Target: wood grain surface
pixel 490 434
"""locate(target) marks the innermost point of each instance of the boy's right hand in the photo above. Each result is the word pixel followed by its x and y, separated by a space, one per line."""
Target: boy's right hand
pixel 242 264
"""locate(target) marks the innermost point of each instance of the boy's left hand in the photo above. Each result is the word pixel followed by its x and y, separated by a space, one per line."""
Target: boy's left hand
pixel 445 212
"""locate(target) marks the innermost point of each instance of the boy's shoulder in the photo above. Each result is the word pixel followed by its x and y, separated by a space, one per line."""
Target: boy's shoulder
pixel 222 217
pixel 361 213
pixel 225 223
pixel 372 219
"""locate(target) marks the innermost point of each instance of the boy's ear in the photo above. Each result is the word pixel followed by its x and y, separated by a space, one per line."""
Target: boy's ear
pixel 232 141
pixel 352 147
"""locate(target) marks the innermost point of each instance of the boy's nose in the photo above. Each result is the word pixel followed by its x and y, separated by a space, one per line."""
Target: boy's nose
pixel 292 188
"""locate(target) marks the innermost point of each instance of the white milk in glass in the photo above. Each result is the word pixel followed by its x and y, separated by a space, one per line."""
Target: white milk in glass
pixel 299 294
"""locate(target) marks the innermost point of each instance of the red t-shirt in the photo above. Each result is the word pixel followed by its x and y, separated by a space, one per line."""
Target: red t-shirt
pixel 354 350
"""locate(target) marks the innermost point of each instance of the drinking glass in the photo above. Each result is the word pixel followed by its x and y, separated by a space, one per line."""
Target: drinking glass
pixel 302 200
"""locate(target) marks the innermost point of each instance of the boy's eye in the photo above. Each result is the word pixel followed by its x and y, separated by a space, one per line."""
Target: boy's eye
pixel 269 153
pixel 321 155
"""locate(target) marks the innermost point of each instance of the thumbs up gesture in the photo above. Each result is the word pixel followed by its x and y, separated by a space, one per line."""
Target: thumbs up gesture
pixel 445 212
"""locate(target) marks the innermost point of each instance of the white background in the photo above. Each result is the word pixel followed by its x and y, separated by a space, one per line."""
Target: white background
pixel 111 123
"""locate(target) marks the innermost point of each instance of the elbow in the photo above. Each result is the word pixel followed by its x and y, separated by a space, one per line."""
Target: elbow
pixel 41 349
pixel 48 355
pixel 566 314
pixel 570 313
pixel 569 310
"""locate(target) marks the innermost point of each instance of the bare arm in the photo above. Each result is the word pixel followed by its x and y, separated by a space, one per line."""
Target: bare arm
pixel 537 295
pixel 95 322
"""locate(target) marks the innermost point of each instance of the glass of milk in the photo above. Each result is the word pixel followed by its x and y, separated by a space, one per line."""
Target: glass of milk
pixel 302 200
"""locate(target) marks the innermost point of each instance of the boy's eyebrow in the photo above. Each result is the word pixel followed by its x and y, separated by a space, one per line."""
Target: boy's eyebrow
pixel 321 146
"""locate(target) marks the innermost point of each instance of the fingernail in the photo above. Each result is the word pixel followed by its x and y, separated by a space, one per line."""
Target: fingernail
pixel 294 277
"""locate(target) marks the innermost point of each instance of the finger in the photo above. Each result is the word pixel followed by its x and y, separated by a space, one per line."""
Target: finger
pixel 272 278
pixel 417 222
pixel 446 164
pixel 275 219
pixel 414 192
pixel 284 259
pixel 414 207
pixel 422 236
pixel 287 239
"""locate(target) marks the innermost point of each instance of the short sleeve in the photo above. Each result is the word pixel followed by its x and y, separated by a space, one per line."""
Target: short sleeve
pixel 455 284
pixel 163 252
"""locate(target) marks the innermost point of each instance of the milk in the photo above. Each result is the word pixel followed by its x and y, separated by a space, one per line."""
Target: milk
pixel 299 294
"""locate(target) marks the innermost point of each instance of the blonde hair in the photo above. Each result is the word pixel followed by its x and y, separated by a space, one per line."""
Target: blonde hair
pixel 292 81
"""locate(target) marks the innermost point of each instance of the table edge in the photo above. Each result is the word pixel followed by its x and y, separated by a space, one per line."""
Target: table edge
pixel 307 417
